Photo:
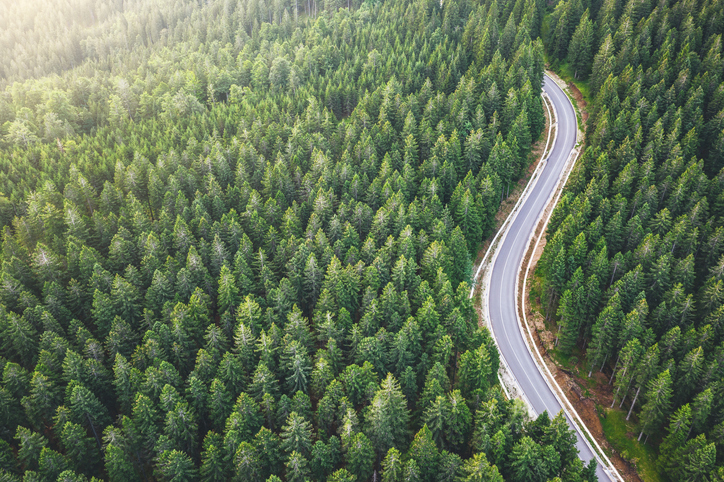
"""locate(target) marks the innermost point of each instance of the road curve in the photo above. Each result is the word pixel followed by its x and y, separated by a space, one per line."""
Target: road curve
pixel 508 263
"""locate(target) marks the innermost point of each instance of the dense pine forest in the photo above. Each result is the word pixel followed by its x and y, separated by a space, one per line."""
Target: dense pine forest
pixel 237 239
pixel 634 263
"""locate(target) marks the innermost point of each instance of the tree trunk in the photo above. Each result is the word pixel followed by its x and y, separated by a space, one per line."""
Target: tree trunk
pixel 615 268
pixel 633 404
pixel 619 388
pixel 98 440
pixel 640 435
pixel 626 392
pixel 610 381
pixel 551 301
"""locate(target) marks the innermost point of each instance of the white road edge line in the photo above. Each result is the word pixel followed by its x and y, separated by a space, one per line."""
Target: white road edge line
pixel 608 467
pixel 497 240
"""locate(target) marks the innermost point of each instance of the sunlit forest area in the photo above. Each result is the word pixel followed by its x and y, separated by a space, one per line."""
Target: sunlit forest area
pixel 237 240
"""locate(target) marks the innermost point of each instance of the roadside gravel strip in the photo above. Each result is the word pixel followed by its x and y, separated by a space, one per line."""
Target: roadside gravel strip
pixel 523 373
pixel 507 379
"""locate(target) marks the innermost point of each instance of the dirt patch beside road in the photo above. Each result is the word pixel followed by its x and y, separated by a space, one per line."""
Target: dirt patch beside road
pixel 572 91
pixel 579 100
pixel 574 388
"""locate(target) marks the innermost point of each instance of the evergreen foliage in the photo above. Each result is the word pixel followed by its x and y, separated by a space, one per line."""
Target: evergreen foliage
pixel 237 240
pixel 634 261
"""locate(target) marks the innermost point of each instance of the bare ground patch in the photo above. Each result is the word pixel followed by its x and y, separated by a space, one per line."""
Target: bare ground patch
pixel 579 100
pixel 575 94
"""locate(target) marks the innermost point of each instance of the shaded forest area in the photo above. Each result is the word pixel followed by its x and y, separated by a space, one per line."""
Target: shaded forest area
pixel 635 256
pixel 237 241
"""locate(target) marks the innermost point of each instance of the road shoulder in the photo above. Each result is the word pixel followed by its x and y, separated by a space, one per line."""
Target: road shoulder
pixel 536 334
pixel 488 253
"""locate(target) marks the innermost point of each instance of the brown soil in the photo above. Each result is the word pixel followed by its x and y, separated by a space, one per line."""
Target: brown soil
pixel 583 399
pixel 575 93
pixel 579 100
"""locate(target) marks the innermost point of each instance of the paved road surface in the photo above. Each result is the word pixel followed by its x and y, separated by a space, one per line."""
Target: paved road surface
pixel 508 263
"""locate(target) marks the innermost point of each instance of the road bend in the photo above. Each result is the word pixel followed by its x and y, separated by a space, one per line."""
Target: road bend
pixel 502 302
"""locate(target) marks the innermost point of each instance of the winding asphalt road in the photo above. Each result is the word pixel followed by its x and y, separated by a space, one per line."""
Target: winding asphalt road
pixel 502 301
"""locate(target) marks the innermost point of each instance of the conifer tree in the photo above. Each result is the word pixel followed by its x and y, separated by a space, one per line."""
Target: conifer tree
pixel 658 402
pixel 175 465
pixel 604 334
pixel 478 469
pixel 580 50
pixel 388 417
pixel 678 431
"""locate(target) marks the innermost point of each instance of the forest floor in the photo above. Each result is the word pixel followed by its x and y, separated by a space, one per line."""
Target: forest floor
pixel 591 397
pixel 578 89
